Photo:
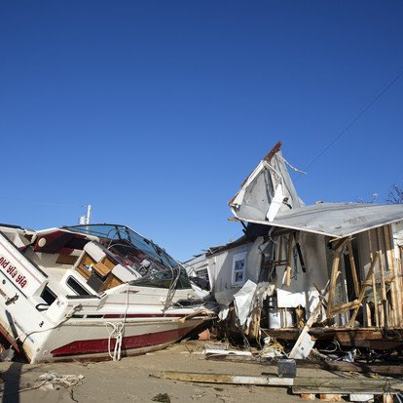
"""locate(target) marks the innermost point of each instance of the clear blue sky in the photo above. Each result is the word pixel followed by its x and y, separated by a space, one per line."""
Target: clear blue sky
pixel 154 111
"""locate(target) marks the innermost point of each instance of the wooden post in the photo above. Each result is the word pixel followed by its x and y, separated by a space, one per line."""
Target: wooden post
pixel 385 315
pixel 353 269
pixel 332 286
pixel 374 294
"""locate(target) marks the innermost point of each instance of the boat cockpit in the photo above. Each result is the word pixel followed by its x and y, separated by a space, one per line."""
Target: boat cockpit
pixel 88 260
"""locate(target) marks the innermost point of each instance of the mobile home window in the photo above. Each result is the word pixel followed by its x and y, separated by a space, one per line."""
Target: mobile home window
pixel 202 273
pixel 239 269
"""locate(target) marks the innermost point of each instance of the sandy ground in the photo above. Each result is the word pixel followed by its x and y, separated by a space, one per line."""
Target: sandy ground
pixel 130 380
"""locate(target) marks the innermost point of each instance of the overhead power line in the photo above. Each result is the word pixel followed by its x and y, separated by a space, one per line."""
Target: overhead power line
pixel 358 116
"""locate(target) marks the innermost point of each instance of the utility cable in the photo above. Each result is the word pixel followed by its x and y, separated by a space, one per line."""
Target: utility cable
pixel 358 116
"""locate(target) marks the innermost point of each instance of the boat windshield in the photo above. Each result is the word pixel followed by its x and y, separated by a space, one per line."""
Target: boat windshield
pixel 123 233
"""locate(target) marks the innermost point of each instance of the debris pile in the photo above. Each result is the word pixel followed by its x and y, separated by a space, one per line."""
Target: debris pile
pixel 319 282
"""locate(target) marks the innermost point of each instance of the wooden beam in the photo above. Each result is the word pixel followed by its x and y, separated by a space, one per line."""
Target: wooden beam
pixel 362 292
pixel 353 269
pixel 332 286
pixel 383 285
pixel 341 366
pixel 346 386
pixel 374 293
pixel 225 378
pixel 336 385
pixel 341 308
pixel 289 257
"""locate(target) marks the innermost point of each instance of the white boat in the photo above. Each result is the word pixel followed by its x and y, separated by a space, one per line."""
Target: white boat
pixel 90 292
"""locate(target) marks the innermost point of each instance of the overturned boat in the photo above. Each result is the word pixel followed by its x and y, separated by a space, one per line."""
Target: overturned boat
pixel 91 292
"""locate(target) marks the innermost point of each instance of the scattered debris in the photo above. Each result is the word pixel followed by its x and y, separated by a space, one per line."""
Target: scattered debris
pixel 361 397
pixel 52 380
pixel 198 395
pixel 7 354
pixel 271 348
pixel 162 398
pixel 210 352
pixel 204 335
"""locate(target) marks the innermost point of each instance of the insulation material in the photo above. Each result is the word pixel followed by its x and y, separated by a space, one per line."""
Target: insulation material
pixel 243 300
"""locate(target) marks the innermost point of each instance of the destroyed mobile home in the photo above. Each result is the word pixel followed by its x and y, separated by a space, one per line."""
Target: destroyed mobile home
pixel 331 271
pixel 91 292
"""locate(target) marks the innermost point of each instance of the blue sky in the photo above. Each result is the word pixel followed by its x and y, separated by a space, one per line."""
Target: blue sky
pixel 154 111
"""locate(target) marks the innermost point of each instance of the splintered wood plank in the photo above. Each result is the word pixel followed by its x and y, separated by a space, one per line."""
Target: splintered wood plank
pixel 374 293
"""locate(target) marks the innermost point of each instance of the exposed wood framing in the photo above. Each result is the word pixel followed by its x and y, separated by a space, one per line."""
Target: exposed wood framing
pixel 363 288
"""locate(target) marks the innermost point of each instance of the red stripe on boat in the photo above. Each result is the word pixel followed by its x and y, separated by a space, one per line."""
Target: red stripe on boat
pixel 131 342
pixel 143 315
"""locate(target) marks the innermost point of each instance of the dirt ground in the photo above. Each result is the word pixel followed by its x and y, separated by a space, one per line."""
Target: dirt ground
pixel 129 380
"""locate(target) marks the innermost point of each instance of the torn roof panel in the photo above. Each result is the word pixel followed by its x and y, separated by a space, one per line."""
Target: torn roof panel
pixel 268 196
pixel 267 191
pixel 335 219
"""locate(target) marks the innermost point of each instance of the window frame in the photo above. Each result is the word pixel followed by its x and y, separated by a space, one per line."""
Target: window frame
pixel 205 269
pixel 241 256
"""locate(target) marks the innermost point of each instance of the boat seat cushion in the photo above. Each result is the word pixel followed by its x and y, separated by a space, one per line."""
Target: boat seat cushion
pixel 124 274
pixel 95 251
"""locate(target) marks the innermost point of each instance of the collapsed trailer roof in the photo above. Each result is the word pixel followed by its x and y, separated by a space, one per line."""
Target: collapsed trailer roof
pixel 268 196
pixel 335 219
